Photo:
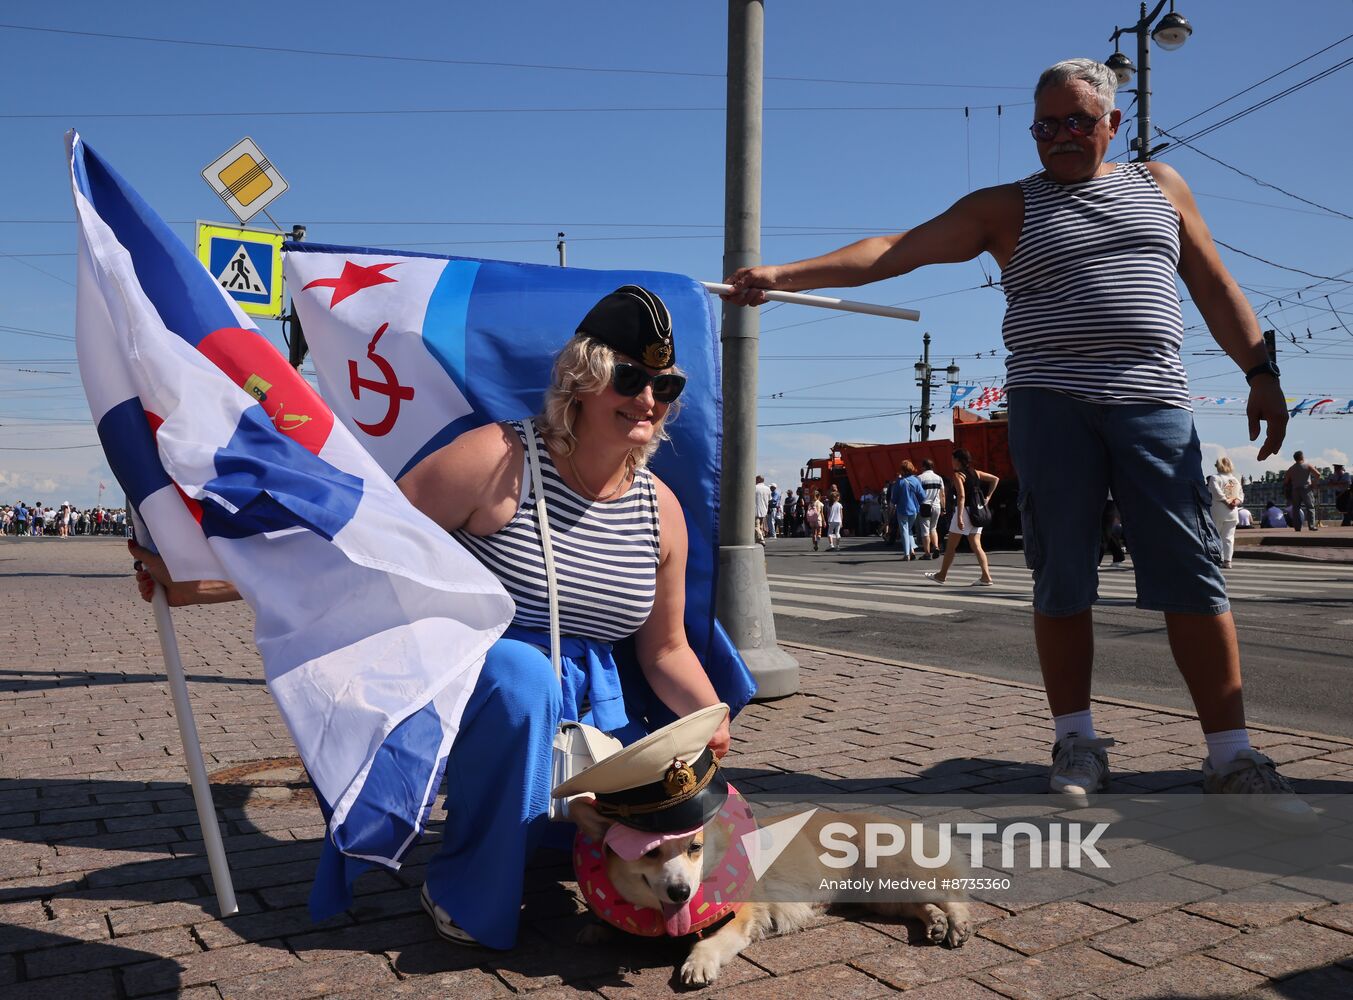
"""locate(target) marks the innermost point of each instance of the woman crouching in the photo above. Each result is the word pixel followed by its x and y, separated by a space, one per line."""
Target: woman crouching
pixel 619 547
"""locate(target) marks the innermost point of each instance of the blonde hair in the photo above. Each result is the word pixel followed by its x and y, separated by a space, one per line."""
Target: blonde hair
pixel 585 366
pixel 1224 466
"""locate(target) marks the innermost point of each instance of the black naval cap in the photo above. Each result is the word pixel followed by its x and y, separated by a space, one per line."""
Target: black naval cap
pixel 635 322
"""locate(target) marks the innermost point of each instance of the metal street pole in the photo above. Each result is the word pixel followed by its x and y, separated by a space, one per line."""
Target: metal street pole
pixel 744 595
pixel 925 391
pixel 1144 84
pixel 561 246
pixel 1172 32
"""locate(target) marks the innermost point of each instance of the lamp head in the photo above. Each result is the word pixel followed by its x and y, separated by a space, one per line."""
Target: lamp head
pixel 1122 68
pixel 1172 31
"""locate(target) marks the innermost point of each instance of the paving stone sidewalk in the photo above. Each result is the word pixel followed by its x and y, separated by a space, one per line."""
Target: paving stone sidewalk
pixel 104 889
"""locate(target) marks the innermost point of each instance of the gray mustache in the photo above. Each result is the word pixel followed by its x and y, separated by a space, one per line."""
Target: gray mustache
pixel 1066 147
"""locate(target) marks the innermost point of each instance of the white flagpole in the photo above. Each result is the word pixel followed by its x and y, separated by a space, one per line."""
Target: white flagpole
pixel 192 747
pixel 192 752
pixel 824 302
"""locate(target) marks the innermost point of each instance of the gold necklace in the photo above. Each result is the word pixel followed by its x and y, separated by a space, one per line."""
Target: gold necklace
pixel 598 497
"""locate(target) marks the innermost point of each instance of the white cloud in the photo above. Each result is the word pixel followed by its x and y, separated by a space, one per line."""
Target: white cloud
pixel 781 455
pixel 1245 457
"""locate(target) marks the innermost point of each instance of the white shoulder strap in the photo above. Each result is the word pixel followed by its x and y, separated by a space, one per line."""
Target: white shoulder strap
pixel 543 519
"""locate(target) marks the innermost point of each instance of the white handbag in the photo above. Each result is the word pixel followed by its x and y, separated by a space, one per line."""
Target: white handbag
pixel 577 746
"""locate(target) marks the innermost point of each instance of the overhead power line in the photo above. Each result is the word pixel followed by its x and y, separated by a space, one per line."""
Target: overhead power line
pixel 838 420
pixel 397 112
pixel 1271 76
pixel 1209 129
pixel 484 62
pixel 1281 267
pixel 1261 183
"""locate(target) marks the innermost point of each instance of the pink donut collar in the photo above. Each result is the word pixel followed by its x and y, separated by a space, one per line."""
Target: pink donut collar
pixel 711 902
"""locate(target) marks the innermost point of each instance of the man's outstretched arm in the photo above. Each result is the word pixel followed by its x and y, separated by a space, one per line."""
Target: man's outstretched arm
pixel 969 227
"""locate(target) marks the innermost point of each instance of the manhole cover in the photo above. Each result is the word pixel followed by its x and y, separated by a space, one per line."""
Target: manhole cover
pixel 281 781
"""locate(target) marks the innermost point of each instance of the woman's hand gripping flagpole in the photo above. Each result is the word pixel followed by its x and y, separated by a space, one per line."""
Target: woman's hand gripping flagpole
pixel 192 746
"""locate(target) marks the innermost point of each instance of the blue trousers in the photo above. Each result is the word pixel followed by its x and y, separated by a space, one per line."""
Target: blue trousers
pixel 497 793
pixel 498 783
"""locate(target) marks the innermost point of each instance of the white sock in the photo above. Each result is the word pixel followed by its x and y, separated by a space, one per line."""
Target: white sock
pixel 1077 723
pixel 1224 747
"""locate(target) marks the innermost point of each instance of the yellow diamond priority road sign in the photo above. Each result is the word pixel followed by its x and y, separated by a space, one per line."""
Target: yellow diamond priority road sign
pixel 244 179
pixel 247 263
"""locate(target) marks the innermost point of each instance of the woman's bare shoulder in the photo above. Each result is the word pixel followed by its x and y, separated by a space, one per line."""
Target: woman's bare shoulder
pixel 473 475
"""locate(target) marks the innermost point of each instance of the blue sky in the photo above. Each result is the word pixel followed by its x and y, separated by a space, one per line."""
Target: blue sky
pixel 608 125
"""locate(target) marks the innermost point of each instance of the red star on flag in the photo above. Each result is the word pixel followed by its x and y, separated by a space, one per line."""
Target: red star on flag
pixel 353 279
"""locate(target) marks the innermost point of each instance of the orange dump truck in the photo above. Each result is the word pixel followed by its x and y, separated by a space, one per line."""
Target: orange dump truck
pixel 856 469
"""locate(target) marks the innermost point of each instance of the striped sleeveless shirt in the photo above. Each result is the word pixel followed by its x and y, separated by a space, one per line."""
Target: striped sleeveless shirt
pixel 605 554
pixel 1091 304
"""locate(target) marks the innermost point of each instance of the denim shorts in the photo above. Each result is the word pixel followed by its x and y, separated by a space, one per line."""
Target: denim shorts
pixel 1069 454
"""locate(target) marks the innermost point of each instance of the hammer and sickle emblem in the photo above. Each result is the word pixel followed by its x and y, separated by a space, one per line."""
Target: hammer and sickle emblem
pixel 390 388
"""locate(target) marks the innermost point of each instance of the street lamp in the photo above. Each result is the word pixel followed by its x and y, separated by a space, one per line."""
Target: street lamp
pixel 1172 31
pixel 925 378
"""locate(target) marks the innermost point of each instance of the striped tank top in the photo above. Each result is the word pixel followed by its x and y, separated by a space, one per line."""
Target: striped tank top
pixel 605 554
pixel 1091 304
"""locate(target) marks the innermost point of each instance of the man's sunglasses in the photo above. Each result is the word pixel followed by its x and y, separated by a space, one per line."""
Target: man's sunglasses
pixel 1046 129
pixel 630 380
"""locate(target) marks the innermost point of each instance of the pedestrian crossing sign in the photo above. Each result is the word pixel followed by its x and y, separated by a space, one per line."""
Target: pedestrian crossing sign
pixel 247 263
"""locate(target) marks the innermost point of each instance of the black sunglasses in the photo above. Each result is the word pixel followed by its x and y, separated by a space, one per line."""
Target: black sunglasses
pixel 630 380
pixel 1045 129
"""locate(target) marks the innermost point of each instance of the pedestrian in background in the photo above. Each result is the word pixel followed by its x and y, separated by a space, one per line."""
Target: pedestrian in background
pixel 813 518
pixel 1110 525
pixel 836 513
pixel 1227 496
pixel 773 514
pixel 1300 484
pixel 928 522
pixel 972 492
pixel 1343 495
pixel 762 509
pixel 908 495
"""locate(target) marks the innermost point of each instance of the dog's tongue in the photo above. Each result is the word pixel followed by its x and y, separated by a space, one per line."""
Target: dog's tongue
pixel 678 918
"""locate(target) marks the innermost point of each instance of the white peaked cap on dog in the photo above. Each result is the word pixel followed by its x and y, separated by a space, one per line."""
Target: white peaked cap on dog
pixel 666 781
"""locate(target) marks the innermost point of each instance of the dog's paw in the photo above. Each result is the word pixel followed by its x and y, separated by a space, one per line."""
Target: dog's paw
pixel 595 933
pixel 960 929
pixel 701 967
pixel 936 924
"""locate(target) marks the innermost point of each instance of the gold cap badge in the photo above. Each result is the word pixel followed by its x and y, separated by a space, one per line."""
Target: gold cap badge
pixel 679 779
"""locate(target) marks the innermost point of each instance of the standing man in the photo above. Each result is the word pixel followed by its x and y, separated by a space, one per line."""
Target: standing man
pixel 1343 493
pixel 1300 483
pixel 762 509
pixel 931 509
pixel 1103 368
pixel 773 514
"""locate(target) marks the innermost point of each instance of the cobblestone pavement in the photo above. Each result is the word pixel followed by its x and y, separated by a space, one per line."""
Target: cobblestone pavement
pixel 104 891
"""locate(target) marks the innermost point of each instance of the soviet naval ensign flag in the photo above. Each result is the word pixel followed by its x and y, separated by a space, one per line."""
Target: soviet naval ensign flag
pixel 414 349
pixel 372 622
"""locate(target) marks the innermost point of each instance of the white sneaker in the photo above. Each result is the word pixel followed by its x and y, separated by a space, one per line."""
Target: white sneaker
pixel 1254 788
pixel 934 578
pixel 1079 766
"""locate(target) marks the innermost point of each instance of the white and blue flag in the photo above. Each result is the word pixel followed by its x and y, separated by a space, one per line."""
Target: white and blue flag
pixel 372 622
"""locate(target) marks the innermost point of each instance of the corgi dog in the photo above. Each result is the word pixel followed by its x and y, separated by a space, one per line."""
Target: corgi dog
pixel 668 874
